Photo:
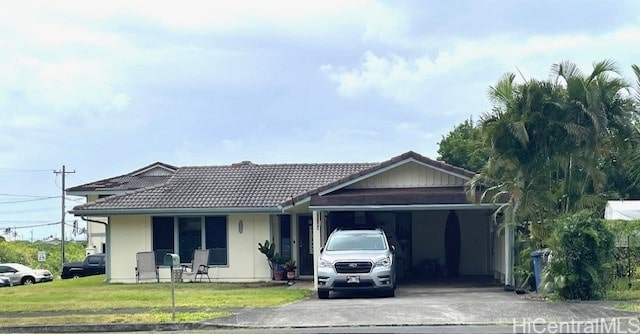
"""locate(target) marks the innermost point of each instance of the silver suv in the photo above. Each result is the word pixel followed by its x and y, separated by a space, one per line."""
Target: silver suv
pixel 356 260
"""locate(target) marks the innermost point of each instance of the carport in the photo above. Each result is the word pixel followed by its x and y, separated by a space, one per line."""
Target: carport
pixel 422 206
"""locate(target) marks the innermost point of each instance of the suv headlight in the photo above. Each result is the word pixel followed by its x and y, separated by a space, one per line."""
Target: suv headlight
pixel 386 262
pixel 324 263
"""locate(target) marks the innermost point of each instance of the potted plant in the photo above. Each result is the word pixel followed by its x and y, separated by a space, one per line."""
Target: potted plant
pixel 279 271
pixel 290 268
pixel 273 258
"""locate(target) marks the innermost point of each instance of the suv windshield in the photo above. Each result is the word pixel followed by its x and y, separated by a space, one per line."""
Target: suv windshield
pixel 356 241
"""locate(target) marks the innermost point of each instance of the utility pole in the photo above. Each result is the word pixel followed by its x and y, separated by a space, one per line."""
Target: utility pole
pixel 64 174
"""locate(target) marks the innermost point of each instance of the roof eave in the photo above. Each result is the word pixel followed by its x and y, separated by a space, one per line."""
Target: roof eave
pixel 98 192
pixel 173 211
pixel 410 207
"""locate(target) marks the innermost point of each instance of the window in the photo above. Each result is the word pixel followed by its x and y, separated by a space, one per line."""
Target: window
pixel 189 237
pixel 285 236
pixel 163 237
pixel 193 233
pixel 216 239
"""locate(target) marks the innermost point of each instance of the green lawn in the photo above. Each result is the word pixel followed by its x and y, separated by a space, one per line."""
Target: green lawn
pixel 630 297
pixel 61 301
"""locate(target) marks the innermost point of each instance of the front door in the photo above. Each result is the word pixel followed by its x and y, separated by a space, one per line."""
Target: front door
pixel 305 248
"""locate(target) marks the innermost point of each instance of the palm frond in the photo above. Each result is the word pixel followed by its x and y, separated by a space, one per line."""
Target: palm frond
pixel 602 68
pixel 519 131
pixel 564 70
pixel 636 71
pixel 503 92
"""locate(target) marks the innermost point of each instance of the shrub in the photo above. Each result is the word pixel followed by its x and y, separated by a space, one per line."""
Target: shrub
pixel 582 261
pixel 26 252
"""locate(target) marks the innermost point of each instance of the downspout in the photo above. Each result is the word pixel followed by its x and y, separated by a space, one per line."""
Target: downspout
pixel 107 277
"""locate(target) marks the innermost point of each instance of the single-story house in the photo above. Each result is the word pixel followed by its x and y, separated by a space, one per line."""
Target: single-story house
pixel 230 209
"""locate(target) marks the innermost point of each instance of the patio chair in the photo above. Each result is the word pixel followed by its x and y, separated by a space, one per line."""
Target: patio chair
pixel 146 267
pixel 199 265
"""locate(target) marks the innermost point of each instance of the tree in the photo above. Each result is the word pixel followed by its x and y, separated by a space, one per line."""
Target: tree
pixel 463 147
pixel 551 140
pixel 583 257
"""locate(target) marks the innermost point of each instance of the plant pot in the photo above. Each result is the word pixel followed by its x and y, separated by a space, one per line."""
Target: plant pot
pixel 278 275
pixel 291 275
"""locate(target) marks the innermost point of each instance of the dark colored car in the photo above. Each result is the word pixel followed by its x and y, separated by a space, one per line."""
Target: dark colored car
pixel 93 264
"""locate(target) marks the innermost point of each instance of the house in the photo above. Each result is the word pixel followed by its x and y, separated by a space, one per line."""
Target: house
pixel 229 209
pixel 154 174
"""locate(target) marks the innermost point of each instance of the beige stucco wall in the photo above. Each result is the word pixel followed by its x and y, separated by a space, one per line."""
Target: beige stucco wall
pixel 245 263
pixel 129 235
pixel 132 234
pixel 428 239
pixel 410 174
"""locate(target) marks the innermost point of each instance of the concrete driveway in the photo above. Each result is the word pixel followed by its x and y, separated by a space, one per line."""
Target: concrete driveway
pixel 420 304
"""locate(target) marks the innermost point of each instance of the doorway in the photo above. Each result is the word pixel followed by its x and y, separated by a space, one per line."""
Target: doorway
pixel 305 247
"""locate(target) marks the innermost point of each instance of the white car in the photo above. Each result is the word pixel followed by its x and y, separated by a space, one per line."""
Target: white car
pixel 359 259
pixel 21 274
pixel 5 281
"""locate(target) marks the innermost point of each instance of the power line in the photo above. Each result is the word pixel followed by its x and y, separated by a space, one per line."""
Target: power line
pixel 17 195
pixel 23 170
pixel 30 200
pixel 23 221
pixel 30 226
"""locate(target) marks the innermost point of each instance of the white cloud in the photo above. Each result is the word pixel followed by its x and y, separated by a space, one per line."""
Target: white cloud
pixel 414 81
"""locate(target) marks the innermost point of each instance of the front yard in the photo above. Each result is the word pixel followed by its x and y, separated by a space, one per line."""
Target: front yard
pixel 91 301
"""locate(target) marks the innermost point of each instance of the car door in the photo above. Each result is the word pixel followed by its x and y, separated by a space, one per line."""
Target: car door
pixel 11 273
pixel 94 265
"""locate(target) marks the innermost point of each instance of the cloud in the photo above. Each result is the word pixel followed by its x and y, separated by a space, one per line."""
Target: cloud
pixel 415 80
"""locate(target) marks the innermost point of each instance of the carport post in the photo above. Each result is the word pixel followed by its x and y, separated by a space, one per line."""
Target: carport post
pixel 508 254
pixel 317 243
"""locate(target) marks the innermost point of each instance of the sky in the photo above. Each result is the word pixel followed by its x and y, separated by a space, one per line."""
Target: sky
pixel 107 87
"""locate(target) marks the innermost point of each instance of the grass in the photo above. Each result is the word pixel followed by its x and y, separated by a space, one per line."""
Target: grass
pixel 90 300
pixel 629 296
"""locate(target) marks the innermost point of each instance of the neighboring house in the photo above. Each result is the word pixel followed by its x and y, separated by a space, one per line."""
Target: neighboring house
pixel 229 209
pixel 154 174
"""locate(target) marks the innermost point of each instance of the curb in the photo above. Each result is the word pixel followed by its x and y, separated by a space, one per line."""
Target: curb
pixel 156 327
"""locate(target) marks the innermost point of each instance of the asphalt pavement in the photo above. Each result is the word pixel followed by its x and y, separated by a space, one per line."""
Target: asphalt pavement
pixel 451 307
pixel 424 305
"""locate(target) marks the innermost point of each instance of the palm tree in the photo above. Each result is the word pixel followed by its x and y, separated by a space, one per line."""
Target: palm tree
pixel 599 119
pixel 550 140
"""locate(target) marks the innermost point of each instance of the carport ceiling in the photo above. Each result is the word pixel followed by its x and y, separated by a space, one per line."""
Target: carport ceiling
pixel 392 196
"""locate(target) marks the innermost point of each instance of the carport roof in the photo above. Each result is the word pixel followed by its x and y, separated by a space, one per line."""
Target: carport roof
pixel 467 174
pixel 394 196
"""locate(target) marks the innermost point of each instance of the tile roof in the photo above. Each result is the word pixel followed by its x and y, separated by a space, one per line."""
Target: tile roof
pixel 244 185
pixel 121 183
pixel 127 182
